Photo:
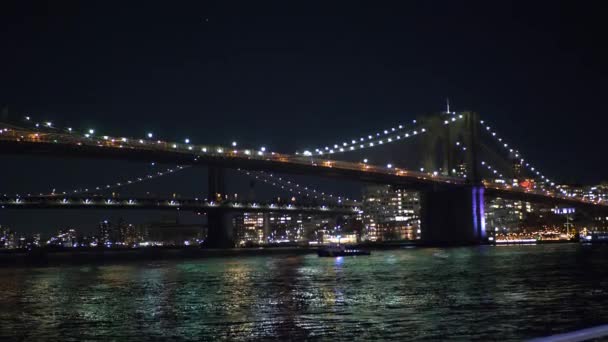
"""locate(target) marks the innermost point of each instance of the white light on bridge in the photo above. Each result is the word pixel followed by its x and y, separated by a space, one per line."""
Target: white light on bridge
pixel 234 144
pixel 91 131
pixel 389 165
pixel 150 135
pixel 187 141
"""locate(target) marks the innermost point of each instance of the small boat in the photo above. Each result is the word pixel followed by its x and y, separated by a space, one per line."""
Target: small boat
pixel 594 237
pixel 340 250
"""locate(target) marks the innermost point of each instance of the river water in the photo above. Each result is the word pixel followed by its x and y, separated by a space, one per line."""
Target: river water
pixel 475 293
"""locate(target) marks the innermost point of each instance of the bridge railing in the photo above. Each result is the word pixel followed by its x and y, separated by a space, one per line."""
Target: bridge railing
pixel 212 151
pixel 189 203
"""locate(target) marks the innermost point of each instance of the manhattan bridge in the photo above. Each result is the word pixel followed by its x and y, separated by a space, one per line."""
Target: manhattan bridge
pixel 463 162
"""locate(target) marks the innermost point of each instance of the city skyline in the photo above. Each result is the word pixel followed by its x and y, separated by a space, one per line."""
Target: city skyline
pixel 280 170
pixel 388 67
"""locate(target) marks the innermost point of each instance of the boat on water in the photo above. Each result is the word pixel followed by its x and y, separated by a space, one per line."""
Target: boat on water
pixel 340 250
pixel 594 237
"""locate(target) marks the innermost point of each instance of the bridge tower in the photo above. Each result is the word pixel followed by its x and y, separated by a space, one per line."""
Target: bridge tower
pixel 220 232
pixel 454 142
pixel 453 215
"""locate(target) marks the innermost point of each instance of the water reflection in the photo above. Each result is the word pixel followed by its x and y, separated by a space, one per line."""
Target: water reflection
pixel 466 293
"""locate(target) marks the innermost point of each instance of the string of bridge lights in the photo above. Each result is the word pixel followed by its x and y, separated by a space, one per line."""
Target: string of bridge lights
pixel 493 170
pixel 517 154
pixel 485 164
pixel 91 133
pixel 386 136
pixel 112 186
pixel 293 187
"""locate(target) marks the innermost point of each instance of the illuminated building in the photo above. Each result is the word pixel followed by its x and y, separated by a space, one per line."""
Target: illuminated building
pixel 8 239
pixel 64 238
pixel 128 233
pixel 104 233
pixel 249 228
pixel 390 214
pixel 276 228
pixel 285 228
pixel 170 232
pixel 505 216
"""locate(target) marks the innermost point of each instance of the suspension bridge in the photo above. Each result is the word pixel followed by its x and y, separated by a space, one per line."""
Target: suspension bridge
pixel 464 162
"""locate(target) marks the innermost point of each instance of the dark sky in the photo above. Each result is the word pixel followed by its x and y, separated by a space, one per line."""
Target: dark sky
pixel 290 74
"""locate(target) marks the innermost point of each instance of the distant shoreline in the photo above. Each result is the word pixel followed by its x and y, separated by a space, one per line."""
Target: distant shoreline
pixel 79 256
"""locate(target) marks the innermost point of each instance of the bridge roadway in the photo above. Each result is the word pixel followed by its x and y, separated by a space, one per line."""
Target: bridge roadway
pixel 197 205
pixel 14 140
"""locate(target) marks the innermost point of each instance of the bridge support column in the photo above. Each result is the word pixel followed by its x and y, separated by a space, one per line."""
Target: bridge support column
pixel 453 216
pixel 220 230
pixel 216 183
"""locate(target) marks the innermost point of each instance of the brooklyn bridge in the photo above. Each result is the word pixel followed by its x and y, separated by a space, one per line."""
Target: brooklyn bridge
pixel 463 161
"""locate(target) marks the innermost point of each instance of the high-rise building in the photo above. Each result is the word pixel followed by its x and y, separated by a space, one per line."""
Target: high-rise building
pixel 8 238
pixel 276 228
pixel 390 213
pixel 249 228
pixel 285 228
pixel 104 233
pixel 504 216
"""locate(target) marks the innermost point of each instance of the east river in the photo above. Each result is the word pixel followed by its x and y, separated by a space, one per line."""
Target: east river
pixel 476 293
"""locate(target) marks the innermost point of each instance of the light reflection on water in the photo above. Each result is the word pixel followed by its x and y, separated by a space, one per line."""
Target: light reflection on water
pixel 478 293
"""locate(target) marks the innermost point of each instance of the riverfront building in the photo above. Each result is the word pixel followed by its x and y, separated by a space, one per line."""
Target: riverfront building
pixel 390 213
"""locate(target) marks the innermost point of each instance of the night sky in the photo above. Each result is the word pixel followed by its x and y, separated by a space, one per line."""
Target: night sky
pixel 290 74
